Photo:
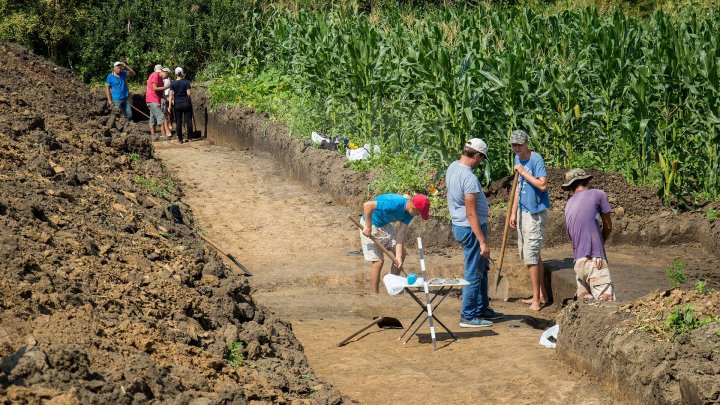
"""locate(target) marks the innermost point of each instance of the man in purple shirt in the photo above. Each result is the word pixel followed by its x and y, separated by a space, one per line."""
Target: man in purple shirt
pixel 582 212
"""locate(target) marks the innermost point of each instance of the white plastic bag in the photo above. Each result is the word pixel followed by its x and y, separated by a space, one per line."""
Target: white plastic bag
pixel 317 138
pixel 394 284
pixel 361 153
pixel 549 337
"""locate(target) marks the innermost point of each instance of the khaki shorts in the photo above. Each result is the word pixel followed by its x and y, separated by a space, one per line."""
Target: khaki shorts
pixel 384 234
pixel 531 229
pixel 593 279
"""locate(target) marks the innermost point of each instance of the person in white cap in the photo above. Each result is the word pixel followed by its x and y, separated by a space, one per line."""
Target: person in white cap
pixel 529 213
pixel 180 101
pixel 116 88
pixel 588 237
pixel 469 212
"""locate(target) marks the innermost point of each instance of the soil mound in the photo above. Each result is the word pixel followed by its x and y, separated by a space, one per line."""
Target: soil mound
pixel 107 295
pixel 645 353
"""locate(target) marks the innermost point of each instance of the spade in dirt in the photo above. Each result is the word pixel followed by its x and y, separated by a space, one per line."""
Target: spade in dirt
pixel 382 323
pixel 499 287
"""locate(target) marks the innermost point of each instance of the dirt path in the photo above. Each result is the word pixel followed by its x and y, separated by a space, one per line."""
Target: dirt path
pixel 296 242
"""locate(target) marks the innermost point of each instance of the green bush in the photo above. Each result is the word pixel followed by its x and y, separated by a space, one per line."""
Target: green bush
pixel 675 274
pixel 684 320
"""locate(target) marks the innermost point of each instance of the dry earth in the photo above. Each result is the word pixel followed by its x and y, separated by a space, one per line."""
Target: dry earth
pixel 296 243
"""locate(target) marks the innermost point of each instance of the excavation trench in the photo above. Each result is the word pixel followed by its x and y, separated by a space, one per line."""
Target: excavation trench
pixel 283 206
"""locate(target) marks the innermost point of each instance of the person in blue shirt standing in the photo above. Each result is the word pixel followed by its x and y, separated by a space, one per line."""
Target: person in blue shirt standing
pixel 378 217
pixel 529 212
pixel 469 212
pixel 116 88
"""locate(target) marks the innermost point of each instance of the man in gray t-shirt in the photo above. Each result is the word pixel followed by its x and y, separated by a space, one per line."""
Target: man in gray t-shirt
pixel 469 211
pixel 588 238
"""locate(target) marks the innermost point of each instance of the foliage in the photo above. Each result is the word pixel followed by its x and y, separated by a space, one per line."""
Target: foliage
pixel 712 214
pixel 135 157
pixel 675 274
pixel 701 286
pixel 235 356
pixel 400 174
pixel 592 89
pixel 161 188
pixel 683 320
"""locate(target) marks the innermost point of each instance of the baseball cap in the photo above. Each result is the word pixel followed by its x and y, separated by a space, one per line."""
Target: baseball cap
pixel 518 136
pixel 574 175
pixel 117 63
pixel 478 145
pixel 179 71
pixel 421 202
pixel 158 67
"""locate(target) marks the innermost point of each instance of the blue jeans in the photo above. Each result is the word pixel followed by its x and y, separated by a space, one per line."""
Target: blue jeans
pixel 123 105
pixel 475 295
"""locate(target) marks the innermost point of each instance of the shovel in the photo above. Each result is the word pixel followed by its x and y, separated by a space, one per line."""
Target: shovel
pixel 499 287
pixel 381 322
pixel 228 255
pixel 380 245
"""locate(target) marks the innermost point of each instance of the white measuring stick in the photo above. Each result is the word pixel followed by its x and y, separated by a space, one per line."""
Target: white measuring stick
pixel 427 293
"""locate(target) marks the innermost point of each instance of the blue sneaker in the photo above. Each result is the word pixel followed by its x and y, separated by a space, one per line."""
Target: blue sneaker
pixel 474 323
pixel 490 314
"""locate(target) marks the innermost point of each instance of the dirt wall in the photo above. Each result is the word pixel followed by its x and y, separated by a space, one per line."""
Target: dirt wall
pixel 613 343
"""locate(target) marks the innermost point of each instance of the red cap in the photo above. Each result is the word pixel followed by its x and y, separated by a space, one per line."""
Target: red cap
pixel 421 202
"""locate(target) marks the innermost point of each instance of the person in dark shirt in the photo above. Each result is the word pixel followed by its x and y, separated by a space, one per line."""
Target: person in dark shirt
pixel 180 101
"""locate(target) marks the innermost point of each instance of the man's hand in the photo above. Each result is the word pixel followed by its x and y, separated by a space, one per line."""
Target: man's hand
pixel 484 250
pixel 512 220
pixel 520 168
pixel 398 262
pixel 367 231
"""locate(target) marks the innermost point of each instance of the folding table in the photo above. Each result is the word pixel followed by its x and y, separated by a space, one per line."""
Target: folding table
pixel 437 287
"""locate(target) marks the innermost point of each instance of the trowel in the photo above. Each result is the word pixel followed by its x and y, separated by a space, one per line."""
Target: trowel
pixel 499 287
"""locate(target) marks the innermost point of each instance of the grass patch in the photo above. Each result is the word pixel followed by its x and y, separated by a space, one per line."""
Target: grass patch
pixel 160 188
pixel 712 214
pixel 135 157
pixel 683 320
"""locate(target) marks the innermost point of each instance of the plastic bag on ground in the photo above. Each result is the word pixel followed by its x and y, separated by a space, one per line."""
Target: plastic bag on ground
pixel 361 153
pixel 317 138
pixel 549 337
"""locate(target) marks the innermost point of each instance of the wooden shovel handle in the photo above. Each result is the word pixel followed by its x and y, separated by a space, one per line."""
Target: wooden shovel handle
pixel 383 248
pixel 136 109
pixel 511 200
pixel 359 331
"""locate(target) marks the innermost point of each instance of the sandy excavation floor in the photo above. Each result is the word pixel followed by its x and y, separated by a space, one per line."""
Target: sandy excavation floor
pixel 296 243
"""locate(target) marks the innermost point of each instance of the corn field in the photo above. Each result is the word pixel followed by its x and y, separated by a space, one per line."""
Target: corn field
pixel 634 96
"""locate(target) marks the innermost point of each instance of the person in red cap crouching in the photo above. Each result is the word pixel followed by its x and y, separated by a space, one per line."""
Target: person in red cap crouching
pixel 378 217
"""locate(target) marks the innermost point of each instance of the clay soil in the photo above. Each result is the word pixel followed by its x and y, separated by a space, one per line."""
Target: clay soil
pixel 106 293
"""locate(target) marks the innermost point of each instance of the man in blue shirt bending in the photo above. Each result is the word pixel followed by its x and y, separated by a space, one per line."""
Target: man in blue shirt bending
pixel 377 219
pixel 529 212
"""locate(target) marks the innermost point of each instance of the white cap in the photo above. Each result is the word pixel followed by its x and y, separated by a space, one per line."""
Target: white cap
pixel 117 63
pixel 478 145
pixel 179 71
pixel 158 67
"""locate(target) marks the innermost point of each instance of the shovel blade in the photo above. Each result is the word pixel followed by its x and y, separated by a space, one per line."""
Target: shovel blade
pixel 499 287
pixel 389 322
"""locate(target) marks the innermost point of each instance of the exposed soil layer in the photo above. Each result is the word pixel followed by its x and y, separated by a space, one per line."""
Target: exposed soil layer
pixel 629 349
pixel 108 296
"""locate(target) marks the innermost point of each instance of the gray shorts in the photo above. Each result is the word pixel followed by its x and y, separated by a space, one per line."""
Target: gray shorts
pixel 531 229
pixel 156 115
pixel 384 234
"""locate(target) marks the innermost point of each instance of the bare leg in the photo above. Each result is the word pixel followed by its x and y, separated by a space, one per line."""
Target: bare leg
pixel 375 270
pixel 535 279
pixel 152 129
